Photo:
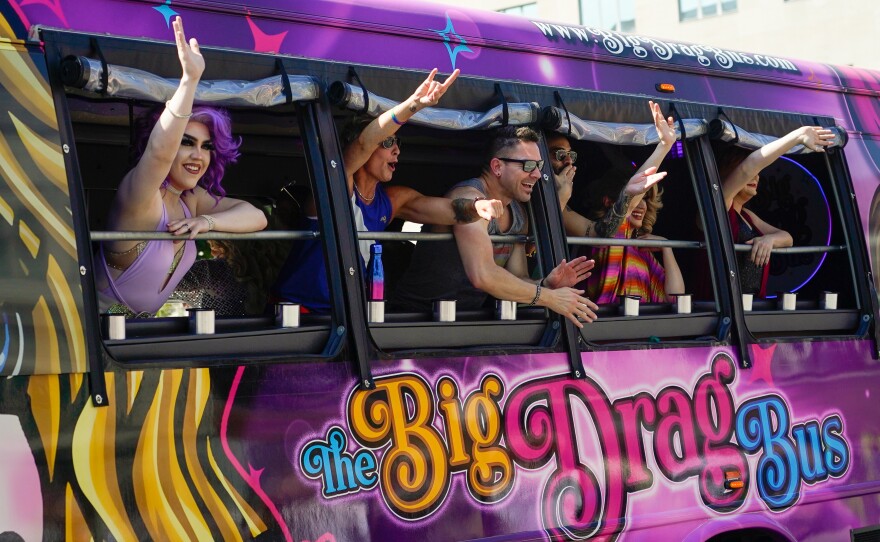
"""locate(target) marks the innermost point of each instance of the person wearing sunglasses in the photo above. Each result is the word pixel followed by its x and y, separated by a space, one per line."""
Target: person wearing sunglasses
pixel 628 270
pixel 371 153
pixel 613 213
pixel 472 267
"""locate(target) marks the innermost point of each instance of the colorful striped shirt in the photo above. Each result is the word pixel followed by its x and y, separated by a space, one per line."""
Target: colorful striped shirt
pixel 623 271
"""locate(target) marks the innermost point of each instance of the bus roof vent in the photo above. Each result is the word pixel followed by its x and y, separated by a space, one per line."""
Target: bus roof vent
pixel 556 119
pixel 724 130
pixel 123 82
pixel 351 97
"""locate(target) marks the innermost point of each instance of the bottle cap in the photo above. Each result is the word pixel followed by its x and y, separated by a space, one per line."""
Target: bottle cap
pixel 376 248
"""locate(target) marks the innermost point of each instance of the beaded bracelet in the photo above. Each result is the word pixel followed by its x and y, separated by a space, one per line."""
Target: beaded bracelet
pixel 175 114
pixel 210 220
pixel 394 119
pixel 537 295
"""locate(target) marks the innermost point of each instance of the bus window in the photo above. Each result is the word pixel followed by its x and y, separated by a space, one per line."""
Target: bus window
pixel 234 276
pixel 421 278
pixel 441 153
pixel 808 287
pixel 652 279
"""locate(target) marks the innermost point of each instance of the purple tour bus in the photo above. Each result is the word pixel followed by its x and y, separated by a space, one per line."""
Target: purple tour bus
pixel 732 420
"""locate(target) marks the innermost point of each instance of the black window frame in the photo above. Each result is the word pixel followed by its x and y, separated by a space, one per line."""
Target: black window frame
pixel 166 342
pixel 807 323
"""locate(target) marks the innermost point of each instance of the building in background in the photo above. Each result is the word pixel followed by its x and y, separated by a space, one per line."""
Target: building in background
pixel 821 30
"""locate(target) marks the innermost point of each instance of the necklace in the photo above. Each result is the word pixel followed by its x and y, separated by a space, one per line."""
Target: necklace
pixel 366 199
pixel 173 190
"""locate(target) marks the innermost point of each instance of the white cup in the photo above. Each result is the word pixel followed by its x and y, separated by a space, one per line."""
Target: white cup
pixel 788 301
pixel 201 321
pixel 114 326
pixel 444 310
pixel 747 301
pixel 287 314
pixel 683 303
pixel 828 301
pixel 631 305
pixel 505 310
pixel 376 311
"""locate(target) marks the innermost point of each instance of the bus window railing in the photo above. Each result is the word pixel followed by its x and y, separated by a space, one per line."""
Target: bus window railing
pixel 640 243
pixel 796 250
pixel 417 236
pixel 98 236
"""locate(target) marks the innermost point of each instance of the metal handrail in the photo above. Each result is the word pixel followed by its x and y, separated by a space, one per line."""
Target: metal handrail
pixel 299 234
pixel 162 236
pixel 795 250
pixel 641 243
pixel 418 236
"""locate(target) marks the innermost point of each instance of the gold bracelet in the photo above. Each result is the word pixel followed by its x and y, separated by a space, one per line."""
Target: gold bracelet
pixel 175 114
pixel 210 220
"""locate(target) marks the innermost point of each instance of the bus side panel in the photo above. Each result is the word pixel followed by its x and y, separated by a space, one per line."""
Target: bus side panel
pixel 41 295
pixel 510 446
pixel 863 155
pixel 154 465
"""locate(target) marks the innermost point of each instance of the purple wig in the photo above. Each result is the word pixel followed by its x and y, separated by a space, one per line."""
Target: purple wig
pixel 225 144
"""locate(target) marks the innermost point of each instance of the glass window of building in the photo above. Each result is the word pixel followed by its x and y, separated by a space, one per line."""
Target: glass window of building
pixel 697 9
pixel 526 10
pixel 619 15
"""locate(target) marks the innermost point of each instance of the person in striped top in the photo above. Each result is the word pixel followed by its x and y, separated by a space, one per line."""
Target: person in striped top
pixel 633 270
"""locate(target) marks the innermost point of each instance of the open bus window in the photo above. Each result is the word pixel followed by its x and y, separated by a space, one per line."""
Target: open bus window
pixel 421 277
pixel 234 275
pixel 808 288
pixel 652 279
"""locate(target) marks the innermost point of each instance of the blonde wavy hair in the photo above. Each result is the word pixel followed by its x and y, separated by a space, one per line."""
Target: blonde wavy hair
pixel 655 203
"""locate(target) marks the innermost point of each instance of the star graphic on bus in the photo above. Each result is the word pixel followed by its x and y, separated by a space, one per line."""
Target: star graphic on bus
pixel 167 12
pixel 52 5
pixel 265 43
pixel 448 34
pixel 762 358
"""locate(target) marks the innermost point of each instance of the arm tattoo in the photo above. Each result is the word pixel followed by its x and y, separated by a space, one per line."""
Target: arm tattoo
pixel 465 210
pixel 608 225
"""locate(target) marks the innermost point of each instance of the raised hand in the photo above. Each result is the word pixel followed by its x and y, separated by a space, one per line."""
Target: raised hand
pixel 665 127
pixel 430 91
pixel 565 183
pixel 816 138
pixel 567 274
pixel 640 182
pixel 191 59
pixel 489 208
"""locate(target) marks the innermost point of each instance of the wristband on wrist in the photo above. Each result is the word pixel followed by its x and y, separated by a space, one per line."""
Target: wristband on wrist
pixel 210 220
pixel 394 119
pixel 542 282
pixel 537 295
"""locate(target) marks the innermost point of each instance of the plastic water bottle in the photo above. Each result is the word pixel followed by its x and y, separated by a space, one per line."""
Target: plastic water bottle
pixel 376 274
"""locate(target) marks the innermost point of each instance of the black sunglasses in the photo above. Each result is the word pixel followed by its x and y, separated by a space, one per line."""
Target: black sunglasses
pixel 562 153
pixel 390 141
pixel 527 165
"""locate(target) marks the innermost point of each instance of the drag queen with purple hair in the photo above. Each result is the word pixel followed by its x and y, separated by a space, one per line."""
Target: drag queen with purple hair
pixel 174 187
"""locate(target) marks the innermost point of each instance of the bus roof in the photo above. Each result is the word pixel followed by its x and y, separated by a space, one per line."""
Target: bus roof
pixel 435 36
